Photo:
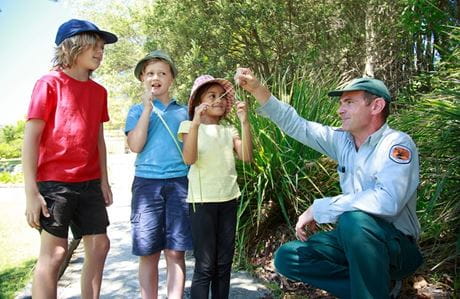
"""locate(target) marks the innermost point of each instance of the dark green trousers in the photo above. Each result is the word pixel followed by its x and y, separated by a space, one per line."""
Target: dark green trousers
pixel 357 259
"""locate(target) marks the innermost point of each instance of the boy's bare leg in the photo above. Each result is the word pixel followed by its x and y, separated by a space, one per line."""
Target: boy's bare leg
pixel 96 249
pixel 52 254
pixel 175 264
pixel 148 275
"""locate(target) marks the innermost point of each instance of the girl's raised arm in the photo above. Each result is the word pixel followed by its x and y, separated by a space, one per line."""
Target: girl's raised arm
pixel 243 145
pixel 190 149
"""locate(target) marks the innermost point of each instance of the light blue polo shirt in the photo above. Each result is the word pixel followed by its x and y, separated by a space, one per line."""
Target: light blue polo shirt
pixel 160 158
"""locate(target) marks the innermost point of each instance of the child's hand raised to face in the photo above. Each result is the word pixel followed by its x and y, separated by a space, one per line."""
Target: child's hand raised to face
pixel 147 98
pixel 242 111
pixel 199 110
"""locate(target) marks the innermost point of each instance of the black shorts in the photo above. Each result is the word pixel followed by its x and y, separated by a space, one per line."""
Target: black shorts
pixel 78 205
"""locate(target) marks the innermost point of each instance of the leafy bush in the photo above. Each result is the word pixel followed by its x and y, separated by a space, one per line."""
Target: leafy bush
pixel 11 178
pixel 11 150
pixel 11 140
pixel 432 117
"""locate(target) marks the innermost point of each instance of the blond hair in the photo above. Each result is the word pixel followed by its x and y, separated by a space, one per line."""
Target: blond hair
pixel 66 53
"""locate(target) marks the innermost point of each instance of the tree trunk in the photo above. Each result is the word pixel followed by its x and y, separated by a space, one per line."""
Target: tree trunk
pixel 370 41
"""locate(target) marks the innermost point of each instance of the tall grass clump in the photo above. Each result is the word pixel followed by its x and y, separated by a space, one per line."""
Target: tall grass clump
pixel 285 175
pixel 431 115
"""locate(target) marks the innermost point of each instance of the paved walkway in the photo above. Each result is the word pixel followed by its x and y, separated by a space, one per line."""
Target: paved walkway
pixel 120 272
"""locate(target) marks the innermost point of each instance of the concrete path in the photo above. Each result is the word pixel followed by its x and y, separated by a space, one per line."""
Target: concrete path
pixel 120 273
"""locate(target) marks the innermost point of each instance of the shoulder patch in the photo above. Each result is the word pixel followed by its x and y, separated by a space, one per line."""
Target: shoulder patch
pixel 400 154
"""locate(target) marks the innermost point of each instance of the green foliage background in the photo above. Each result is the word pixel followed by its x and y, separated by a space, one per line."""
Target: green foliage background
pixel 432 117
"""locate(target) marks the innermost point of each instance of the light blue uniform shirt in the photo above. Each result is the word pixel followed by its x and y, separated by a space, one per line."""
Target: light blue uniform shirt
pixel 372 178
pixel 160 158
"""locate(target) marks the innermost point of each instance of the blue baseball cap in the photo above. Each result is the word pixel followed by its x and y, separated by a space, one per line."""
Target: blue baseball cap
pixel 74 27
pixel 371 85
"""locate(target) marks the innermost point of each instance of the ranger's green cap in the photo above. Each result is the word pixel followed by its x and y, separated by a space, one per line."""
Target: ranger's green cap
pixel 152 55
pixel 373 86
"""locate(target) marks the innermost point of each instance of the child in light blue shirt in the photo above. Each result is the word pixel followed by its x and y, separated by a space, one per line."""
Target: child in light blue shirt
pixel 159 212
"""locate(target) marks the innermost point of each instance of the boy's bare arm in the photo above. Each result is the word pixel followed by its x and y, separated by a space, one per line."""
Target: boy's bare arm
pixel 138 136
pixel 35 204
pixel 105 186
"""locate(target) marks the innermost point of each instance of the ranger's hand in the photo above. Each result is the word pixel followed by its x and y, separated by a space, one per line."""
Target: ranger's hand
pixel 305 224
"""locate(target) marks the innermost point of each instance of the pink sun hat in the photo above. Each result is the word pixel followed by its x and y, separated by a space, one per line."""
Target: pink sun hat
pixel 205 79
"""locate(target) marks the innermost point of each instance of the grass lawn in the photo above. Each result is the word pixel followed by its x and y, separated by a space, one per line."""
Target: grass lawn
pixel 19 244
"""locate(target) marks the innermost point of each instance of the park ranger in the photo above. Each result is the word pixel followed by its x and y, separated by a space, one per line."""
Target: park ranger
pixel 374 239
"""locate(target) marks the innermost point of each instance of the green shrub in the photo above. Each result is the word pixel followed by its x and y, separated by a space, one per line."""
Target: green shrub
pixel 11 178
pixel 431 115
pixel 11 150
pixel 11 140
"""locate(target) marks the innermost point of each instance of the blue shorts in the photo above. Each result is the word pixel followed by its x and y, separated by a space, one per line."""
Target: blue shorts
pixel 159 215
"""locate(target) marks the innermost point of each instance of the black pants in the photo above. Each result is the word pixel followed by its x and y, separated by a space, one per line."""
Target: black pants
pixel 213 233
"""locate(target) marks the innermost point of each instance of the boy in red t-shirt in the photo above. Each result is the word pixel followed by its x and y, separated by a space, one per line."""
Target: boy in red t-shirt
pixel 64 159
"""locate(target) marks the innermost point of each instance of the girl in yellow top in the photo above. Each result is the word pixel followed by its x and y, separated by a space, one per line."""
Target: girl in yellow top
pixel 209 148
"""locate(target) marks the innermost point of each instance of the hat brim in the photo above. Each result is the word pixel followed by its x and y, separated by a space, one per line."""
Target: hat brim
pixel 108 37
pixel 140 65
pixel 226 85
pixel 338 93
pixel 138 68
pixel 335 93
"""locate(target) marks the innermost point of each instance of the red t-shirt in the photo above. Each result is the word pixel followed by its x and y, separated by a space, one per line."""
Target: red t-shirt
pixel 73 111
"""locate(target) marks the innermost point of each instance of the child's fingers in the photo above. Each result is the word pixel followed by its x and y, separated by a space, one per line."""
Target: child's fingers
pixel 44 208
pixel 241 105
pixel 31 220
pixel 201 107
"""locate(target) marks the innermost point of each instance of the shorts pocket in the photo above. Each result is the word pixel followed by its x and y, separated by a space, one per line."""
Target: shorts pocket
pixel 147 222
pixel 135 218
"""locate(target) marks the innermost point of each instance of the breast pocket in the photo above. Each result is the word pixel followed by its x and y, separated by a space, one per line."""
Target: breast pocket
pixel 345 177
